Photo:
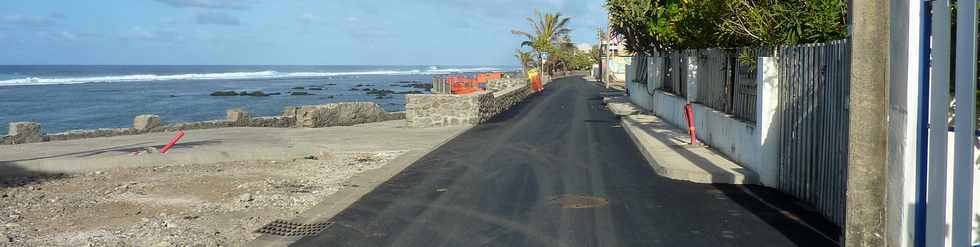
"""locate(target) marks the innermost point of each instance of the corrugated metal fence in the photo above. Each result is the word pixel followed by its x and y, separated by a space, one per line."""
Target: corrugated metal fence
pixel 674 73
pixel 727 84
pixel 813 95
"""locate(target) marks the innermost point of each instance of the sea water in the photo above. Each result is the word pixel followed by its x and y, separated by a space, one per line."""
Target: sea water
pixel 86 97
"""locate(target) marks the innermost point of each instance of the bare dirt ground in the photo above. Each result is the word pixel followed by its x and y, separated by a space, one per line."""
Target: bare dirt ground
pixel 217 204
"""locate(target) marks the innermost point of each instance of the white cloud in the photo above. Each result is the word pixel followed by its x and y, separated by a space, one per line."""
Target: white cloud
pixel 210 4
pixel 216 18
pixel 308 18
pixel 166 35
pixel 67 36
pixel 363 30
pixel 26 20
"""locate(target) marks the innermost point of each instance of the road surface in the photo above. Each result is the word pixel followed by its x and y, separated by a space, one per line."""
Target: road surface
pixel 558 170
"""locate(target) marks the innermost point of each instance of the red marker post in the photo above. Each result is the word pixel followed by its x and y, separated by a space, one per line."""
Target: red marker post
pixel 689 114
pixel 180 134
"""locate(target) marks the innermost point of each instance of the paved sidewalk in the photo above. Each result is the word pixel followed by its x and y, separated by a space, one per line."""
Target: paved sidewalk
pixel 668 150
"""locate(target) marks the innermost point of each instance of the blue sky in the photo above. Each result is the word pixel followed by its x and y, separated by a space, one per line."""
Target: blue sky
pixel 304 32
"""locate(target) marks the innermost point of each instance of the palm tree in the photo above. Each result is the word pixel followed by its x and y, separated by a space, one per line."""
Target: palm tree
pixel 547 30
pixel 526 58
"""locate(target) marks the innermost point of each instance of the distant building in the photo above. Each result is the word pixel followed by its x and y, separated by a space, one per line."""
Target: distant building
pixel 614 60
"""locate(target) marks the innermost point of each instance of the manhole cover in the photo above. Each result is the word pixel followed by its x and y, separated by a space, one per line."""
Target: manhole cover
pixel 288 229
pixel 579 201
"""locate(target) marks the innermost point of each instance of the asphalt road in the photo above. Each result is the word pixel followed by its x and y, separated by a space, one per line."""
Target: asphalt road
pixel 558 170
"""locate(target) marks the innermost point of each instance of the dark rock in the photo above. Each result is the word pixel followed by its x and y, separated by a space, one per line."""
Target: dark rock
pixel 173 96
pixel 256 93
pixel 359 85
pixel 422 85
pixel 274 94
pixel 330 97
pixel 332 84
pixel 298 88
pixel 383 92
pixel 224 93
pixel 355 89
pixel 315 88
pixel 300 93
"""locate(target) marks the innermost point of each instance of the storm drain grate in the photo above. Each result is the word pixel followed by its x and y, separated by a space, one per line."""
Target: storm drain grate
pixel 289 229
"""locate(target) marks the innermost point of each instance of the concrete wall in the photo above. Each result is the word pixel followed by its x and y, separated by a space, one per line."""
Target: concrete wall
pixel 430 110
pixel 334 114
pixel 741 141
pixel 505 83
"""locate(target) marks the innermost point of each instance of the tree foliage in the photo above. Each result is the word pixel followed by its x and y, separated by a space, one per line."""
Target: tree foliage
pixel 656 25
pixel 546 31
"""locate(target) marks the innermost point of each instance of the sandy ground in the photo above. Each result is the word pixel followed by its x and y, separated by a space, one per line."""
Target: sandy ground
pixel 213 204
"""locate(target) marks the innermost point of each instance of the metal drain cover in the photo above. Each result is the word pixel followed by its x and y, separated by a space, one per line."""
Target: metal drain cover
pixel 289 229
pixel 580 201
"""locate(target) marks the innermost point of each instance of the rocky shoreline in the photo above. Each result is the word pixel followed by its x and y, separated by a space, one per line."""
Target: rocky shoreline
pixel 369 89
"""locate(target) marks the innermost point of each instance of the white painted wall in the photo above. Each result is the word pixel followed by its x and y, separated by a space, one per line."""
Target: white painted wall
pixel 740 141
pixel 902 118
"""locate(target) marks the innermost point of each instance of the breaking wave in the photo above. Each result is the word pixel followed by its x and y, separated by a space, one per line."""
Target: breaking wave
pixel 231 76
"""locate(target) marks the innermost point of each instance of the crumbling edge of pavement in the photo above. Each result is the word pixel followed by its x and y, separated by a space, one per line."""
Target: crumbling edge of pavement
pixel 365 182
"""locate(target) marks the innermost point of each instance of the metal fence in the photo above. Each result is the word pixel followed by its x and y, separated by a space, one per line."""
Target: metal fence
pixel 674 73
pixel 726 80
pixel 813 92
pixel 714 89
pixel 440 85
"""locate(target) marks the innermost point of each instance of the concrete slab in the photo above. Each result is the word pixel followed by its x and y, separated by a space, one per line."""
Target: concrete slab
pixel 621 106
pixel 667 150
pixel 216 145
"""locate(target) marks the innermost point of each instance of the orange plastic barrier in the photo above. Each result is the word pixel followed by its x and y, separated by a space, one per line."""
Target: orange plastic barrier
pixel 484 77
pixel 465 85
pixel 536 83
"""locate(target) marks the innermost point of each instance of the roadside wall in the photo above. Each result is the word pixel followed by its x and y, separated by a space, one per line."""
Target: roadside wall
pixel 739 140
pixel 432 110
pixel 313 116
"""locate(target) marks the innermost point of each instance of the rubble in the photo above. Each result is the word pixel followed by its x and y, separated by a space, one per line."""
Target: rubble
pixel 218 204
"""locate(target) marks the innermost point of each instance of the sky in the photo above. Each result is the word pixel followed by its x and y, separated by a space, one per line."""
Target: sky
pixel 278 32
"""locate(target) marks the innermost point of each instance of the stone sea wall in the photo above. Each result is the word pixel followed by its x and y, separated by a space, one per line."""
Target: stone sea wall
pixel 314 116
pixel 432 110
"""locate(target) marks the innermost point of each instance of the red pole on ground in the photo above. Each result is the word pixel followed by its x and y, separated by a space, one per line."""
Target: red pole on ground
pixel 173 141
pixel 689 114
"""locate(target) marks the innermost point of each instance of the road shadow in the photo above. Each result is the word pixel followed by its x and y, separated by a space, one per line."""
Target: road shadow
pixel 127 148
pixel 12 175
pixel 793 218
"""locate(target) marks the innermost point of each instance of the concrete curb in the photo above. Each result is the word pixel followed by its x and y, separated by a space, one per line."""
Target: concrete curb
pixel 666 150
pixel 337 202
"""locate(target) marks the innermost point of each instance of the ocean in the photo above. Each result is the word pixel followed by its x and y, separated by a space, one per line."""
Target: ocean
pixel 67 97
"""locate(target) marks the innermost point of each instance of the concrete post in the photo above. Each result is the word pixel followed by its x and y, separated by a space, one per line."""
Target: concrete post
pixel 865 220
pixel 146 122
pixel 238 116
pixel 24 132
pixel 692 77
pixel 654 76
pixel 768 120
pixel 630 74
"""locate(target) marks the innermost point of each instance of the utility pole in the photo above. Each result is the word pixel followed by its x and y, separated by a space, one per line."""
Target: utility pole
pixel 868 103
